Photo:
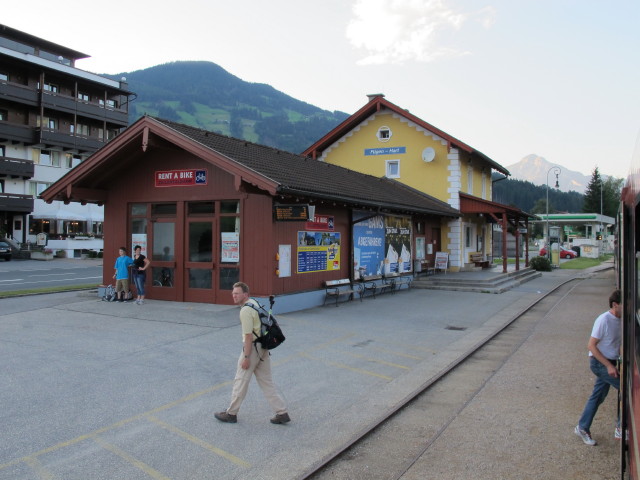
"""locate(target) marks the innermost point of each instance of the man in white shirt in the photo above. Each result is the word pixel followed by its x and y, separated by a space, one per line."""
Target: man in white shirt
pixel 604 350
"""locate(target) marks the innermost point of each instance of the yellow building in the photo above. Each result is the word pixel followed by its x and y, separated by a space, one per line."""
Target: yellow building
pixel 384 140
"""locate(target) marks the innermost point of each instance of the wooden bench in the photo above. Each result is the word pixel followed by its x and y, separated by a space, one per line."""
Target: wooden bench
pixel 373 284
pixel 477 259
pixel 426 268
pixel 338 288
pixel 395 281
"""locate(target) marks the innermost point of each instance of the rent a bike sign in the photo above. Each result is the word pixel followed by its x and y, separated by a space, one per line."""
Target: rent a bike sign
pixel 180 178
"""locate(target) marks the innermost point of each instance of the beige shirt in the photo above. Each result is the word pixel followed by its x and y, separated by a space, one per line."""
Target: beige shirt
pixel 249 319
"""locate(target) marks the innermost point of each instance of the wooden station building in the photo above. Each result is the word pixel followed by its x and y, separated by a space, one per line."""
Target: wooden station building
pixel 210 210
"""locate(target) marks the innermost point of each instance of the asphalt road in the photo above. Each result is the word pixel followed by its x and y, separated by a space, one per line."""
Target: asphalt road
pixel 33 274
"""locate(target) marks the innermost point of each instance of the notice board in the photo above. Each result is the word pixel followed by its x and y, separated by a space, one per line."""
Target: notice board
pixel 442 259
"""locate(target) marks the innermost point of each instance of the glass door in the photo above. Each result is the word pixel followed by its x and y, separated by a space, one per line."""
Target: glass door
pixel 199 267
pixel 163 259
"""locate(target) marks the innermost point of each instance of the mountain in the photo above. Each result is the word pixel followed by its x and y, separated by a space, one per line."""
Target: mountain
pixel 204 95
pixel 535 169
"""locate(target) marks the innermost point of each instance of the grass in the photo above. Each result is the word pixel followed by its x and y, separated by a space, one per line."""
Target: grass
pixel 37 291
pixel 579 263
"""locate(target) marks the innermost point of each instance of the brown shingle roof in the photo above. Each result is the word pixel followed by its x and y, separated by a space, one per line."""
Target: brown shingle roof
pixel 304 176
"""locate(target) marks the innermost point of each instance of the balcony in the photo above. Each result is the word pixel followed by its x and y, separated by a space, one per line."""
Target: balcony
pixel 17 133
pixel 16 168
pixel 14 92
pixel 50 138
pixel 13 202
pixel 71 105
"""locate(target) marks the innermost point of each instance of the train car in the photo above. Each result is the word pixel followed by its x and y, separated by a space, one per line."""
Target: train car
pixel 628 263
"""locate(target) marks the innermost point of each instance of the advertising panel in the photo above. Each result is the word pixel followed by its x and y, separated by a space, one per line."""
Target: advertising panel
pixel 230 247
pixel 398 244
pixel 368 246
pixel 382 244
pixel 318 251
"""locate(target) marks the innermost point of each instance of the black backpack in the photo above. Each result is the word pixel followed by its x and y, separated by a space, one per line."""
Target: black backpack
pixel 270 333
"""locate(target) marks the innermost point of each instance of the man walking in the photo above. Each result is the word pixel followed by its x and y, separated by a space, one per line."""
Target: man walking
pixel 604 350
pixel 254 360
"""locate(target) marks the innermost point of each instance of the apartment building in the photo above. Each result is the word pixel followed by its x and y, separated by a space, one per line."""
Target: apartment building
pixel 52 117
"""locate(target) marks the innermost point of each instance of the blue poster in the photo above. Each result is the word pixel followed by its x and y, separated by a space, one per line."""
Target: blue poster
pixel 368 245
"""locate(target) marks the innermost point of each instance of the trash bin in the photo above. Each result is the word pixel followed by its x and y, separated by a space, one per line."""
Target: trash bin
pixel 576 249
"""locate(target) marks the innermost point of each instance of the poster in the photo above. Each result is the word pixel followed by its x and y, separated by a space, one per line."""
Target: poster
pixel 139 239
pixel 318 251
pixel 230 247
pixel 382 244
pixel 368 246
pixel 397 244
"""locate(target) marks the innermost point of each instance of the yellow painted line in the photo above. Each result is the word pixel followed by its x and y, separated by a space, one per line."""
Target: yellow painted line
pixel 152 472
pixel 398 354
pixel 320 346
pixel 347 367
pixel 331 342
pixel 375 360
pixel 37 467
pixel 199 441
pixel 121 423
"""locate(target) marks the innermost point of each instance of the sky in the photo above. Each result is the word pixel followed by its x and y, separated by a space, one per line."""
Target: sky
pixel 555 78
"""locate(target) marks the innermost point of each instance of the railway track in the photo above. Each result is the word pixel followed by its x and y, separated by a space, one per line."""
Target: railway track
pixel 390 449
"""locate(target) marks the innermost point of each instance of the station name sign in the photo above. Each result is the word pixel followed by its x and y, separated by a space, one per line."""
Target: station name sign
pixel 180 178
pixel 385 151
pixel 291 213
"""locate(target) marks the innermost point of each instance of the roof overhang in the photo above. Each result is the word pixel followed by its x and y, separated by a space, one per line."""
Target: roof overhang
pixel 135 141
pixel 470 204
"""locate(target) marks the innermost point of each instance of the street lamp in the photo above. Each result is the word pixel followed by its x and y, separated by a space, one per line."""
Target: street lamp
pixel 557 170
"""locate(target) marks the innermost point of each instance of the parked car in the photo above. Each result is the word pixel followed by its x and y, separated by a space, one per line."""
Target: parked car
pixel 5 251
pixel 564 253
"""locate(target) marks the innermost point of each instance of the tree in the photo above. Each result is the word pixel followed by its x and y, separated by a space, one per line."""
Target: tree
pixel 602 195
pixel 594 193
pixel 611 196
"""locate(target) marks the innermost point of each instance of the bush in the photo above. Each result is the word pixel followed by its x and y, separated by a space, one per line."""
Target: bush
pixel 541 264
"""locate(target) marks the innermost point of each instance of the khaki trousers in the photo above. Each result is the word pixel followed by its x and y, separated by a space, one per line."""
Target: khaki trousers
pixel 260 366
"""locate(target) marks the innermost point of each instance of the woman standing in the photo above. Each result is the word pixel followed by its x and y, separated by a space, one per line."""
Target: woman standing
pixel 140 265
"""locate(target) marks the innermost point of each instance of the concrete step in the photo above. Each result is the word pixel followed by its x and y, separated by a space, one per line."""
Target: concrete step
pixel 485 282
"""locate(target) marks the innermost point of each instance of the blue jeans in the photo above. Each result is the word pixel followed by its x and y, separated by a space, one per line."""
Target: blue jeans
pixel 600 391
pixel 139 279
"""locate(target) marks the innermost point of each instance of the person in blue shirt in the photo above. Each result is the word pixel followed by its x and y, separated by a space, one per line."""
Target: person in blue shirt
pixel 123 262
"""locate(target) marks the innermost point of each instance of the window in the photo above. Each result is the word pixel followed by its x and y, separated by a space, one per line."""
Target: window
pixel 467 236
pixel 484 184
pixel 50 87
pixel 83 96
pixel 469 179
pixel 4 115
pixel 36 188
pixel 82 129
pixel 4 77
pixel 71 161
pixel 48 158
pixel 393 169
pixel 47 122
pixel 384 134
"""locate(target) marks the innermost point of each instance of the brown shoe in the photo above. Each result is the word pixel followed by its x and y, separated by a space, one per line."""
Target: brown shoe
pixel 281 418
pixel 226 417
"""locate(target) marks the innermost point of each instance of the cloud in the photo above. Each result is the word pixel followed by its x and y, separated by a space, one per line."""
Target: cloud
pixel 396 31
